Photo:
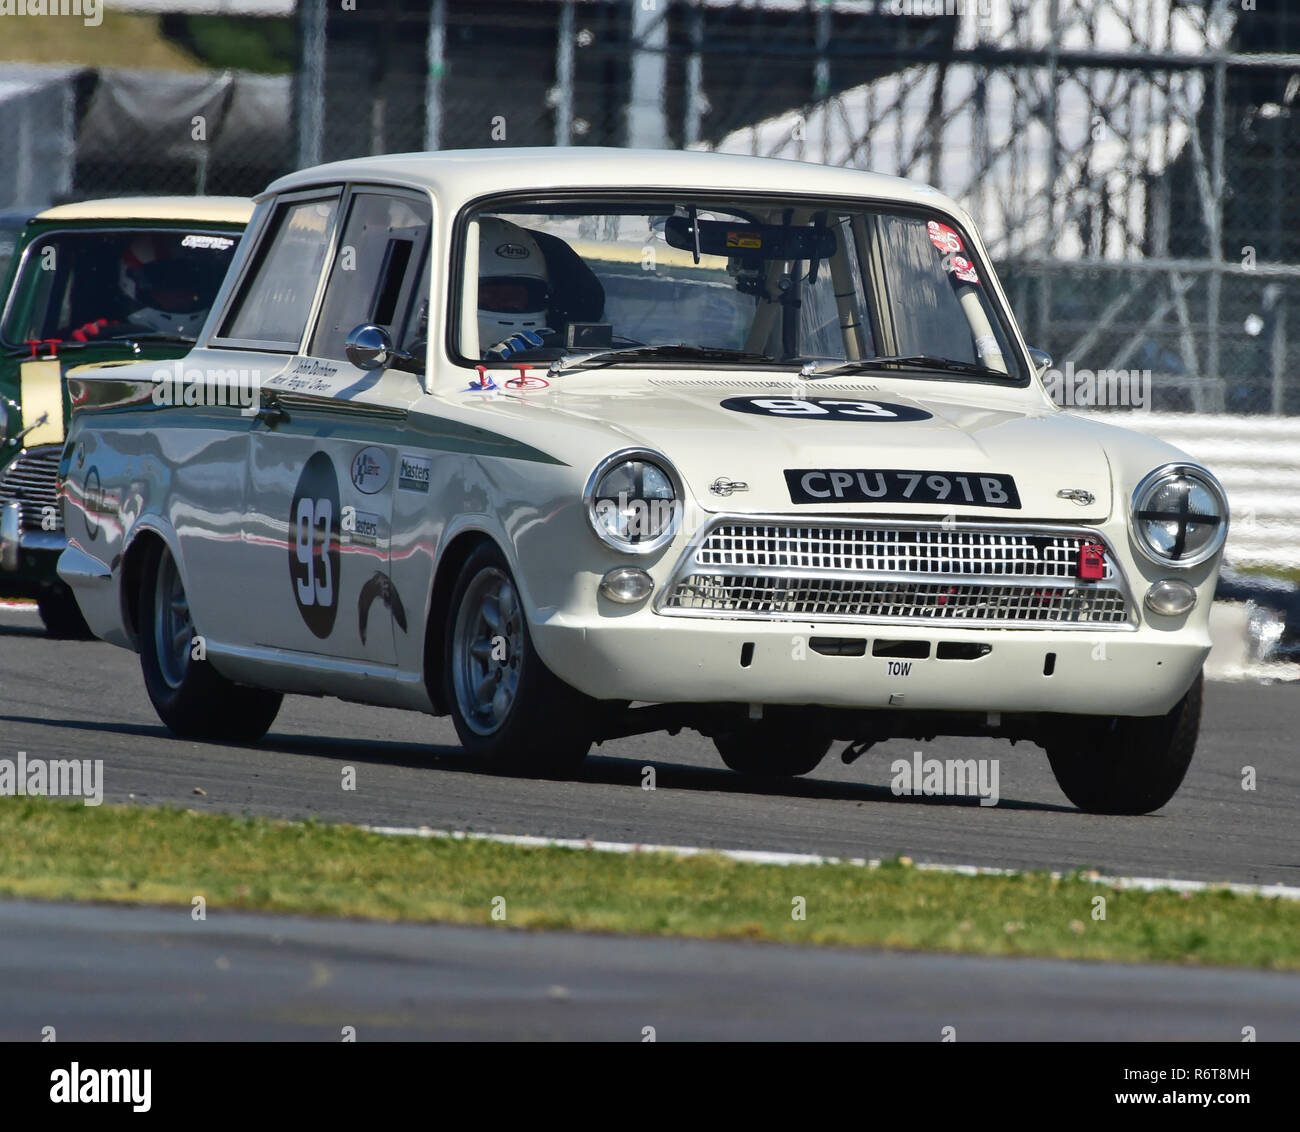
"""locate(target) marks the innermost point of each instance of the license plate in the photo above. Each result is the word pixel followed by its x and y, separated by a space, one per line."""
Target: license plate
pixel 896 485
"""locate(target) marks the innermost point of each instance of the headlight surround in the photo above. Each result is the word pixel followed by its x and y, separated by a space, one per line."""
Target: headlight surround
pixel 634 501
pixel 1179 515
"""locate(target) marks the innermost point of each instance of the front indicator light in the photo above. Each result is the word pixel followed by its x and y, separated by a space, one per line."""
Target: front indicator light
pixel 1170 597
pixel 626 585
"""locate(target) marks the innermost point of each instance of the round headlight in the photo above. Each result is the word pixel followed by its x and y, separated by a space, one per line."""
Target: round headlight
pixel 1180 515
pixel 634 501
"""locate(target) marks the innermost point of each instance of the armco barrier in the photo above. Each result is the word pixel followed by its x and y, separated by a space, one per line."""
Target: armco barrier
pixel 1258 461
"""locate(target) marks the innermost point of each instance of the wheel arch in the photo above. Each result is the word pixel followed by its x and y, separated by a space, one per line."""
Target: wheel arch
pixel 146 539
pixel 453 557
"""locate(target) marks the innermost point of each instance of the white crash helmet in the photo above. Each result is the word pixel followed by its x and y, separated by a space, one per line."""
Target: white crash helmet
pixel 164 286
pixel 513 287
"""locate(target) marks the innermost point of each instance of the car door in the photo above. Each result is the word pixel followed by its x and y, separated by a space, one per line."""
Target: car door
pixel 323 462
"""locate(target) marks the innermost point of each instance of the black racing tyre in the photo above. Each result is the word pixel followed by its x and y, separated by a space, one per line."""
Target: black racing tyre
pixel 511 712
pixel 779 746
pixel 1127 764
pixel 61 614
pixel 190 696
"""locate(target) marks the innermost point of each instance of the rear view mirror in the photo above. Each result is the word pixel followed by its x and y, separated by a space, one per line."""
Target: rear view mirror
pixel 750 241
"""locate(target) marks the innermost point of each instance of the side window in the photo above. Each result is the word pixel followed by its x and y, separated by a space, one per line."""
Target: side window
pixel 378 275
pixel 275 301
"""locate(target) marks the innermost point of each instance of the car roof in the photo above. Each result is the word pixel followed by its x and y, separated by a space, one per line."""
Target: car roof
pixel 196 210
pixel 457 176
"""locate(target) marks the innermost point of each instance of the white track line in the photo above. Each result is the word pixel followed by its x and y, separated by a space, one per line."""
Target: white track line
pixel 19 606
pixel 768 857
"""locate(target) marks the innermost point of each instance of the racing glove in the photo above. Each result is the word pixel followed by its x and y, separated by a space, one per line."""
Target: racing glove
pixel 516 343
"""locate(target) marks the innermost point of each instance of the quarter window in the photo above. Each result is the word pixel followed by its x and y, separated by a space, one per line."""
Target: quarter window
pixel 275 303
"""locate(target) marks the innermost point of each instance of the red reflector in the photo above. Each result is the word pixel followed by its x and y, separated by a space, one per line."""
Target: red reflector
pixel 1092 562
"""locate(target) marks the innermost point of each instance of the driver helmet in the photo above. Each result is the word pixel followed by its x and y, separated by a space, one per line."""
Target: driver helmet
pixel 164 290
pixel 513 287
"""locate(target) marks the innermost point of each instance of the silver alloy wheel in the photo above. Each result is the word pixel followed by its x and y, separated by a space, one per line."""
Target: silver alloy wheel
pixel 487 651
pixel 173 627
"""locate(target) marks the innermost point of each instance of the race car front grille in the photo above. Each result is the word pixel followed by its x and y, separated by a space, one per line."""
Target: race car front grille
pixel 966 574
pixel 33 480
pixel 951 551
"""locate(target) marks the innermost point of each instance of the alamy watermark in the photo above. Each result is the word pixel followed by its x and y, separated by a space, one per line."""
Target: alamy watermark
pixel 176 385
pixel 1074 388
pixel 946 777
pixel 53 778
pixel 90 11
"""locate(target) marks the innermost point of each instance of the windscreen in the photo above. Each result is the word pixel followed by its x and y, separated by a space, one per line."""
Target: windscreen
pixel 775 281
pixel 80 287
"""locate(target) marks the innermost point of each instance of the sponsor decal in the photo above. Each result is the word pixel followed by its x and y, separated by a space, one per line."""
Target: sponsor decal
pixel 961 267
pixel 209 243
pixel 826 409
pixel 314 551
pixel 512 251
pixel 414 473
pixel 371 469
pixel 744 240
pixel 943 237
pixel 363 528
pixel 895 485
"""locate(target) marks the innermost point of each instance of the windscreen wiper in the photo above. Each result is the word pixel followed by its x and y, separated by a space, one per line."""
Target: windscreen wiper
pixel 669 352
pixel 914 361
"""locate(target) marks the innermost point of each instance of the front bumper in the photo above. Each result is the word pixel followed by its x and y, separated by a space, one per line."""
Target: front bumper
pixel 649 658
pixel 26 556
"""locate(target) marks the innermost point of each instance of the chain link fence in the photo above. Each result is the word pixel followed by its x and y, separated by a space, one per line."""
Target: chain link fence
pixel 1134 165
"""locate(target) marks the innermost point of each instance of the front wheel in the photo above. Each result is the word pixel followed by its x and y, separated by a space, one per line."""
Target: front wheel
pixel 190 696
pixel 776 747
pixel 1125 764
pixel 510 711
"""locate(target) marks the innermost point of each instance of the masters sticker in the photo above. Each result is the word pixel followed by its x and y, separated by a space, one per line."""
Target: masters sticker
pixel 414 473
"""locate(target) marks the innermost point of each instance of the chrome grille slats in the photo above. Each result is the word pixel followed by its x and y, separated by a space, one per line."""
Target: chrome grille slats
pixel 995 575
pixel 33 480
pixel 891 549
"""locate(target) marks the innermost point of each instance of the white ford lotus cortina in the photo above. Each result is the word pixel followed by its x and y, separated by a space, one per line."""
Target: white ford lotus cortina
pixel 577 444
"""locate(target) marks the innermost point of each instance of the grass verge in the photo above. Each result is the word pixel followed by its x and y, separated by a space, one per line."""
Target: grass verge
pixel 66 851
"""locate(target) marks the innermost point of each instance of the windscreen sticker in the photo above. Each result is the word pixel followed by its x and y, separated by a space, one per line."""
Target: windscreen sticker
pixel 943 237
pixel 960 266
pixel 208 243
pixel 314 556
pixel 826 409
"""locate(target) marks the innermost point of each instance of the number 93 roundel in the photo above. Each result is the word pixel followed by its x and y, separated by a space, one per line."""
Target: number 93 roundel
pixel 314 544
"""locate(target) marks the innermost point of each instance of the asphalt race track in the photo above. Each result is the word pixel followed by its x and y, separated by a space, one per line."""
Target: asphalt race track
pixel 113 972
pixel 87 700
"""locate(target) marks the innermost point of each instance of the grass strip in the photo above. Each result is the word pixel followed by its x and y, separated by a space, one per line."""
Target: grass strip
pixel 55 850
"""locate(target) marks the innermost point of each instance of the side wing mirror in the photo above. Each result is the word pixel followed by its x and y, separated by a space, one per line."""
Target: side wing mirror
pixel 1042 360
pixel 370 347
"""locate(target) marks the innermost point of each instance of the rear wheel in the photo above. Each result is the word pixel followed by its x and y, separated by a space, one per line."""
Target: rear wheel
pixel 775 747
pixel 190 696
pixel 510 711
pixel 61 614
pixel 1126 764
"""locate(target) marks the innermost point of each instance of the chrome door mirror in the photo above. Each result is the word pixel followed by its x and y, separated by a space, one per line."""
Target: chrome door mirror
pixel 369 347
pixel 1042 360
